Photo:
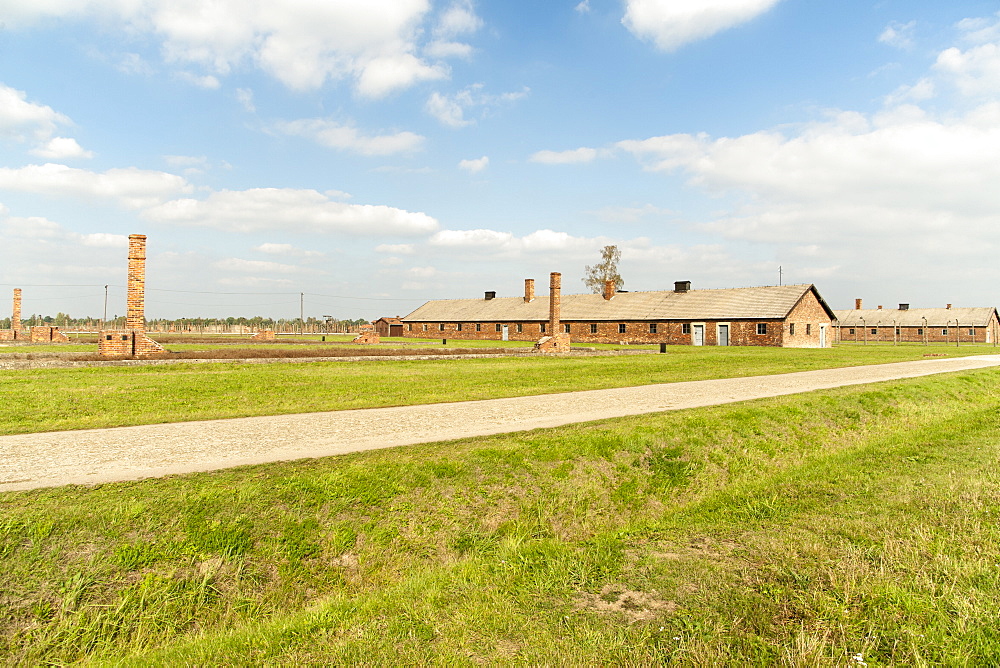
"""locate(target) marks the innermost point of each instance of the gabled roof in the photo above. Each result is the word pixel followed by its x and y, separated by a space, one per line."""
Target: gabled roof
pixel 769 302
pixel 395 320
pixel 916 317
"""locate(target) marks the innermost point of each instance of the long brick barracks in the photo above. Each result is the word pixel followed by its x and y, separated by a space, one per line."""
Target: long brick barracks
pixel 791 316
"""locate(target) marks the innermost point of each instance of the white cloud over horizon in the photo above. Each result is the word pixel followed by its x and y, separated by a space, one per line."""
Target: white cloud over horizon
pixel 334 135
pixel 670 24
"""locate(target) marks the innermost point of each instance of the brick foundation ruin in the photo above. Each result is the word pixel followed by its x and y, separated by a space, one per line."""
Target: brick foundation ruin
pixel 132 342
pixel 37 334
pixel 264 335
pixel 556 341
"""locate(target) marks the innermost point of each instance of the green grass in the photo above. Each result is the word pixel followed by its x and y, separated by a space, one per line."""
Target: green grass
pixel 78 398
pixel 799 531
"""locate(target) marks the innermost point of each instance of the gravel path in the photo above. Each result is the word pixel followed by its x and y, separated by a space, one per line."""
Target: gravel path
pixel 127 453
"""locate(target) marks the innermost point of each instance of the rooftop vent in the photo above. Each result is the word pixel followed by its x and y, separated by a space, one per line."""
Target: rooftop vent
pixel 491 294
pixel 904 307
pixel 682 286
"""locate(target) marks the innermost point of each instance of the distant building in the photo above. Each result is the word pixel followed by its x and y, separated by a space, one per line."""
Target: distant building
pixel 793 316
pixel 918 325
pixel 389 326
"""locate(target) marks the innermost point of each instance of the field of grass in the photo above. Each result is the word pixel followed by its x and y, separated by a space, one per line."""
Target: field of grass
pixel 844 527
pixel 79 398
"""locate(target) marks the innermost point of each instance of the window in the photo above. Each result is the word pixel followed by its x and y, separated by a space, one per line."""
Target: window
pixel 652 328
pixel 762 328
pixel 898 331
pixel 972 332
pixel 850 331
pixel 409 327
pixel 541 328
pixel 920 331
pixel 686 328
pixel 479 326
pixel 458 327
pixel 593 328
pixel 875 330
pixel 621 328
pixel 499 327
pixel 441 327
pixel 425 326
pixel 791 328
pixel 808 329
pixel 944 332
pixel 520 327
pixel 566 328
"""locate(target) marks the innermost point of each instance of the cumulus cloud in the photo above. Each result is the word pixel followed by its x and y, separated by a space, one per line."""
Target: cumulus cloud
pixel 130 187
pixel 348 138
pixel 899 35
pixel 287 209
pixel 474 166
pixel 287 250
pixel 24 121
pixel 451 110
pixel 670 24
pixel 61 148
pixel 574 156
pixel 255 266
pixel 373 43
pixel 398 249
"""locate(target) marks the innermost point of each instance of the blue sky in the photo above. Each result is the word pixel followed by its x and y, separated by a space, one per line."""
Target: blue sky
pixel 374 154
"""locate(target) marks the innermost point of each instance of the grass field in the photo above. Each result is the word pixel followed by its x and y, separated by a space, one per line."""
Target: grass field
pixel 843 527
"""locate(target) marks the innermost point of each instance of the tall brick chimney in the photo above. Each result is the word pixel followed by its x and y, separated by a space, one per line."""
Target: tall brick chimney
pixel 555 283
pixel 857 304
pixel 609 289
pixel 135 319
pixel 15 318
pixel 529 290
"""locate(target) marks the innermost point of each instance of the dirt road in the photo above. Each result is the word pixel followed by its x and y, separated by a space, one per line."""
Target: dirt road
pixel 127 453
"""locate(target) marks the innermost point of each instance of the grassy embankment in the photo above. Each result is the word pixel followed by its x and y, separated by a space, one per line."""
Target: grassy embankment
pixel 860 524
pixel 79 398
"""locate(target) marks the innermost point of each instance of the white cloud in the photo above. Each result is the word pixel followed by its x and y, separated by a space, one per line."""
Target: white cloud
pixel 62 148
pixel 899 35
pixel 583 7
pixel 286 209
pixel 255 266
pixel 421 272
pixel 130 187
pixel 447 110
pixel 625 214
pixel 245 98
pixel 575 156
pixel 286 250
pixel 474 166
pixel 671 24
pixel 470 238
pixel 450 110
pixel 347 138
pixel 975 72
pixel 398 249
pixel 206 81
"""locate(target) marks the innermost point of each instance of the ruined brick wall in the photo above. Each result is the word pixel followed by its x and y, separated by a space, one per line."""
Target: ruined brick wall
pixel 44 334
pixel 367 337
pixel 264 335
pixel 135 318
pixel 557 343
pixel 127 344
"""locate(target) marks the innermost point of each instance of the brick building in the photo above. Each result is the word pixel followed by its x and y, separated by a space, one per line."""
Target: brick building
pixel 918 325
pixel 389 326
pixel 789 316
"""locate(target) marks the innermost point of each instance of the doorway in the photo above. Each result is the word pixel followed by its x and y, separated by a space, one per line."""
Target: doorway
pixel 698 335
pixel 723 335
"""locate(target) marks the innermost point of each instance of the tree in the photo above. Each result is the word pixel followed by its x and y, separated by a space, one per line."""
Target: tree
pixel 606 270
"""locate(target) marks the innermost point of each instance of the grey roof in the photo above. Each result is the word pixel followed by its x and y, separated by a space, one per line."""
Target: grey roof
pixel 978 316
pixel 770 302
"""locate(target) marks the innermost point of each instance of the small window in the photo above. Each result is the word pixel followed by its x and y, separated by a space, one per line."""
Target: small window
pixel 762 328
pixel 566 328
pixel 409 327
pixel 109 337
pixel 686 328
pixel 874 330
pixel 425 326
pixel 972 332
pixel 809 329
pixel 850 331
pixel 652 328
pixel 541 328
pixel 898 331
pixel 479 326
pixel 593 328
pixel 520 327
pixel 621 328
pixel 791 328
pixel 944 332
pixel 458 327
pixel 499 327
pixel 441 327
pixel 920 331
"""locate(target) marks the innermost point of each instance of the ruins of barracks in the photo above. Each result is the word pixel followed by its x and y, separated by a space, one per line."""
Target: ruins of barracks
pixel 790 316
pixel 978 324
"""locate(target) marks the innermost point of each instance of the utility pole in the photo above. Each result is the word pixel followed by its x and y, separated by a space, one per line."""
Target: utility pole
pixel 302 318
pixel 105 318
pixel 779 274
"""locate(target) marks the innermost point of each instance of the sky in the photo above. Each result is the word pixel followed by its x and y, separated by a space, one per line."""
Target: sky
pixel 356 158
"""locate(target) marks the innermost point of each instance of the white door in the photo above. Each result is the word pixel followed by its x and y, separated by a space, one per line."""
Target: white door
pixel 723 335
pixel 698 337
pixel 822 336
pixel 506 333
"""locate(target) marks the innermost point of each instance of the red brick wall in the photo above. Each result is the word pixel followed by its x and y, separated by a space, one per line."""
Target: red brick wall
pixel 44 334
pixel 135 318
pixel 807 316
pixel 885 334
pixel 127 344
pixel 15 318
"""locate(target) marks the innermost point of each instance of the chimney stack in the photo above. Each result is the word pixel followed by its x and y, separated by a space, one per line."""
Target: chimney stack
pixel 904 307
pixel 609 288
pixel 857 304
pixel 555 282
pixel 682 286
pixel 15 318
pixel 948 307
pixel 135 314
pixel 490 294
pixel 529 290
pixel 879 307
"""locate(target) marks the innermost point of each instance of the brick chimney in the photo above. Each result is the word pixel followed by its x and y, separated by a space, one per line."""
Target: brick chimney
pixel 948 307
pixel 529 290
pixel 555 283
pixel 609 289
pixel 490 294
pixel 879 307
pixel 135 318
pixel 15 318
pixel 857 304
